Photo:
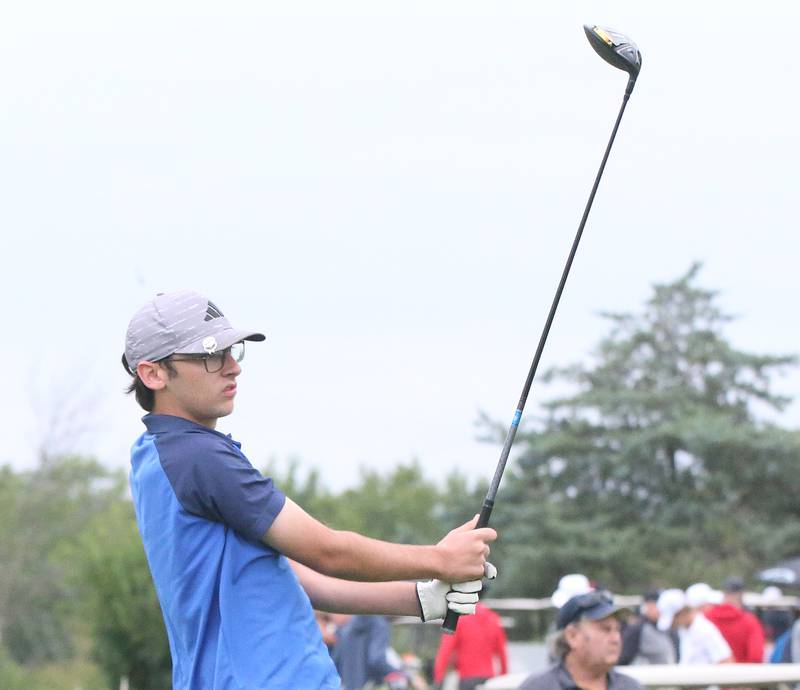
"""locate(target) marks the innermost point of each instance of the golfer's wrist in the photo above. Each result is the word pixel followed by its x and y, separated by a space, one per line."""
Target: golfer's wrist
pixel 438 564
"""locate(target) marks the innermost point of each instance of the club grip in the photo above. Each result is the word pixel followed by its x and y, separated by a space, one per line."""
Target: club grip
pixel 451 619
pixel 450 622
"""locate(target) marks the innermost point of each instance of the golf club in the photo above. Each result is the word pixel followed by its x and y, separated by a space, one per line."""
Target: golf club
pixel 619 51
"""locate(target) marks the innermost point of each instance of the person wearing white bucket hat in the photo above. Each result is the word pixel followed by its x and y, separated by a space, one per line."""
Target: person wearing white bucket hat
pixel 568 587
pixel 700 642
pixel 701 596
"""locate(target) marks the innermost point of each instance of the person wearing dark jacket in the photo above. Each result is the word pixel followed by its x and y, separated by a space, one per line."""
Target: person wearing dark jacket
pixel 643 642
pixel 741 629
pixel 360 654
pixel 586 646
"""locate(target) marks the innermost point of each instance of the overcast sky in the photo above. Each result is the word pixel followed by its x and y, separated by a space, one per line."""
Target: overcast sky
pixel 389 191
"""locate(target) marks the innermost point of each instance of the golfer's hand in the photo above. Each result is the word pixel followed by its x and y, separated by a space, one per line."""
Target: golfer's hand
pixel 435 596
pixel 464 552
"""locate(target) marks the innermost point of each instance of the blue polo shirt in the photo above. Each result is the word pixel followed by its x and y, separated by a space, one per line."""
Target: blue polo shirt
pixel 236 615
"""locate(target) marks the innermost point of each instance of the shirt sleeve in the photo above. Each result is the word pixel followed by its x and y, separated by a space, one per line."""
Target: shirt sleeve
pixel 501 649
pixel 444 657
pixel 794 642
pixel 755 641
pixel 718 648
pixel 212 479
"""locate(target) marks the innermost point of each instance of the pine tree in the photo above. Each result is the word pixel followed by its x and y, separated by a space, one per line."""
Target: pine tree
pixel 657 468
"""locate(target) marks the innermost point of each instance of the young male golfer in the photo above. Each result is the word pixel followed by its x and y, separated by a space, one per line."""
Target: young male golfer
pixel 237 565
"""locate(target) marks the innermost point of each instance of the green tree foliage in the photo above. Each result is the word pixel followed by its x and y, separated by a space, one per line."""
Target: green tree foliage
pixel 656 468
pixel 401 505
pixel 52 676
pixel 74 569
pixel 42 510
pixel 458 501
pixel 120 603
pixel 12 677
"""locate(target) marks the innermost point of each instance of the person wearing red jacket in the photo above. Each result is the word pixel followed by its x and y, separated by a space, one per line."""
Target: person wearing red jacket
pixel 478 643
pixel 740 628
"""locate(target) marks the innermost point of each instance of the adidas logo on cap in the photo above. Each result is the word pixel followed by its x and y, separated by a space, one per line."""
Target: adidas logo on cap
pixel 213 312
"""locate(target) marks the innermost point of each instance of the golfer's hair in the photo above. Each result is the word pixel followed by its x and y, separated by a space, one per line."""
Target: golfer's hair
pixel 557 644
pixel 146 397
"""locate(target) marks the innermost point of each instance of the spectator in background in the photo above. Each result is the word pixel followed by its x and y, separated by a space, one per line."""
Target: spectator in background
pixel 740 628
pixel 775 619
pixel 360 654
pixel 703 596
pixel 586 646
pixel 782 649
pixel 568 587
pixel 328 625
pixel 787 646
pixel 642 641
pixel 794 642
pixel 699 640
pixel 477 649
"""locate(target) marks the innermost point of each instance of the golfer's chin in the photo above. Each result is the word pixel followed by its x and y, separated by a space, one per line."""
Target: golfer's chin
pixel 225 408
pixel 219 411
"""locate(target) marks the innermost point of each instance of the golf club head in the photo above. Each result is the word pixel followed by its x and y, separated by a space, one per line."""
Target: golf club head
pixel 616 49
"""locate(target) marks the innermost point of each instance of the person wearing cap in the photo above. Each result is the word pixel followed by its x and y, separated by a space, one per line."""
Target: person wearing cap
pixel 776 621
pixel 787 645
pixel 740 628
pixel 568 586
pixel 586 645
pixel 642 641
pixel 237 565
pixel 702 596
pixel 699 640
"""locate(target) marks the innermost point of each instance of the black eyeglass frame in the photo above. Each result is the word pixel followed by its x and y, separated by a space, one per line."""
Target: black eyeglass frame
pixel 215 357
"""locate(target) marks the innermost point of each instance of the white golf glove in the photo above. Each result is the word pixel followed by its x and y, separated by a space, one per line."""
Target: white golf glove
pixel 435 596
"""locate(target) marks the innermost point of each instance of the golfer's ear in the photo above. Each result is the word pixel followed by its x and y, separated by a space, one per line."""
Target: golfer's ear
pixel 151 374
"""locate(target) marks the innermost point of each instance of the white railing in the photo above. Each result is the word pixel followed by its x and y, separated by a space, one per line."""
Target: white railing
pixel 753 600
pixel 677 676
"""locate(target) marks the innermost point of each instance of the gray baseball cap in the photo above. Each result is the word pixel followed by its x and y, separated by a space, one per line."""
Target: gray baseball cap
pixel 179 322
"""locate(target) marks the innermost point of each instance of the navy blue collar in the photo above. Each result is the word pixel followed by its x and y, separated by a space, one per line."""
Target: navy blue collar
pixel 164 423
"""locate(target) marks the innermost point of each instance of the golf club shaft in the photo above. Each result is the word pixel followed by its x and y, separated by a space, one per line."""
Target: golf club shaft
pixel 451 620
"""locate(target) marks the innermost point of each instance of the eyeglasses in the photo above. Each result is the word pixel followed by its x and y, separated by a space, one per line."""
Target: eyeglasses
pixel 214 362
